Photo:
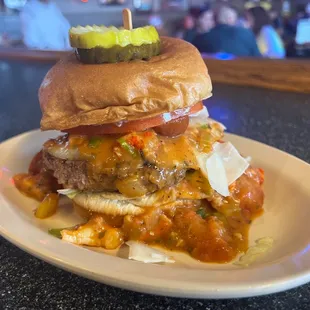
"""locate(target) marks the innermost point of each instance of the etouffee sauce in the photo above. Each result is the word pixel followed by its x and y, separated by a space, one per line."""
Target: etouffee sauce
pixel 108 151
pixel 214 229
pixel 210 230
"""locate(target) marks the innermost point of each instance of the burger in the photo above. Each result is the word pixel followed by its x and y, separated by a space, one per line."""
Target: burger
pixel 138 155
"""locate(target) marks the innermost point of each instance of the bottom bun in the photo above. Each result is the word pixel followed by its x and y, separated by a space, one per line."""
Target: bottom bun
pixel 112 220
pixel 107 203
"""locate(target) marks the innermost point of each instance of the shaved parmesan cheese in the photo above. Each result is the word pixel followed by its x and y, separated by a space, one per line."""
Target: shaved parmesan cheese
pixel 223 166
pixel 262 246
pixel 216 174
pixel 202 118
pixel 199 118
pixel 235 165
pixel 143 253
pixel 211 166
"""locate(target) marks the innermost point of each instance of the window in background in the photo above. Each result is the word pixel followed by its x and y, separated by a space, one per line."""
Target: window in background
pixel 172 5
pixel 15 4
pixel 143 5
pixel 303 31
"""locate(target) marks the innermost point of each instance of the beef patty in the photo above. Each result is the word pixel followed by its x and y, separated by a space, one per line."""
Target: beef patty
pixel 75 174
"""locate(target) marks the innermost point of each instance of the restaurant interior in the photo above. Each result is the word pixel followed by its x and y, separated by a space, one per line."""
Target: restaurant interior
pixel 269 36
pixel 257 54
pixel 181 18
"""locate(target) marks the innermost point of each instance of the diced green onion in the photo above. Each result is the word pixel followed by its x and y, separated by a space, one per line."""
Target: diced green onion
pixel 56 232
pixel 126 146
pixel 202 213
pixel 94 142
pixel 205 126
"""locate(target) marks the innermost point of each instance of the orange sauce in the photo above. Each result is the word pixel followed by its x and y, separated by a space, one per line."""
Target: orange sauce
pixel 125 157
pixel 36 186
pixel 107 152
pixel 210 231
pixel 214 229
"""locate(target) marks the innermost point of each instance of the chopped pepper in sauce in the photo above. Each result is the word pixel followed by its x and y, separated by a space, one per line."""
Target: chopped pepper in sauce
pixel 213 229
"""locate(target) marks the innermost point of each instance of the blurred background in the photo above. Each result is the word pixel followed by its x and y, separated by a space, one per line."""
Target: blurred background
pixel 271 29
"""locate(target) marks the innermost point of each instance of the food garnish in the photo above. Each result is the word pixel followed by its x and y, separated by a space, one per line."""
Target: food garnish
pixel 128 147
pixel 101 44
pixel 56 232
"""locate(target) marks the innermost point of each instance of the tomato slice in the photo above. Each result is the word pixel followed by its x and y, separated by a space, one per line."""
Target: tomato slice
pixel 136 125
pixel 173 128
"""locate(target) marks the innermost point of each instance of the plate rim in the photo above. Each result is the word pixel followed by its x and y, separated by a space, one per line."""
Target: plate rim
pixel 237 291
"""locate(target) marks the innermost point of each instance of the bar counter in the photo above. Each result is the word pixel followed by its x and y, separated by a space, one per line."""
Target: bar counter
pixel 280 119
pixel 283 74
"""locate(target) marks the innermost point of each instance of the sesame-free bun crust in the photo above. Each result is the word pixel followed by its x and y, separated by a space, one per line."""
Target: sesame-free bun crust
pixel 74 94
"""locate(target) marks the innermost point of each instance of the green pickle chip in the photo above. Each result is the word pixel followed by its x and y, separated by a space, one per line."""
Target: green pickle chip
pixel 99 55
pixel 100 44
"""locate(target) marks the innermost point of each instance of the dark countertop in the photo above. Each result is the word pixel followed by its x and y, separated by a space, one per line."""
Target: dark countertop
pixel 276 118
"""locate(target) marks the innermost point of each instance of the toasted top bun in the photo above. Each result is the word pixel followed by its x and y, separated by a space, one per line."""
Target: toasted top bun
pixel 74 94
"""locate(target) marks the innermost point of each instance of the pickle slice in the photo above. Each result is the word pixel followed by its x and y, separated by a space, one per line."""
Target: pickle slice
pixel 99 55
pixel 100 44
pixel 107 37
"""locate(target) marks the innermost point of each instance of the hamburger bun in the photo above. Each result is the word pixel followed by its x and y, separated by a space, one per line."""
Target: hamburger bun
pixel 74 94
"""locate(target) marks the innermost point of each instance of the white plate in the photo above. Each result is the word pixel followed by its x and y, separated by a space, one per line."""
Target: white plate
pixel 286 220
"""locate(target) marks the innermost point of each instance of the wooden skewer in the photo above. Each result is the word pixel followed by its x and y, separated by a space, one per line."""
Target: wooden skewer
pixel 127 19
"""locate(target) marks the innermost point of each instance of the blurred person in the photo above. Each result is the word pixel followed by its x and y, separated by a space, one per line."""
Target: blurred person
pixel 227 16
pixel 44 26
pixel 242 21
pixel 269 42
pixel 276 21
pixel 227 37
pixel 267 5
pixel 193 26
pixel 188 29
pixel 189 22
pixel 205 21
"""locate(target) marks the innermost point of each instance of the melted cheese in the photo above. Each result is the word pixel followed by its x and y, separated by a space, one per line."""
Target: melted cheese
pixel 139 148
